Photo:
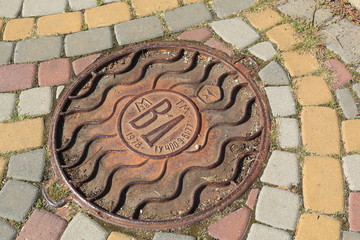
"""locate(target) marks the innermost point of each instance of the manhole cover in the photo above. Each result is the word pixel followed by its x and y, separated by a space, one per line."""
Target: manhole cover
pixel 159 135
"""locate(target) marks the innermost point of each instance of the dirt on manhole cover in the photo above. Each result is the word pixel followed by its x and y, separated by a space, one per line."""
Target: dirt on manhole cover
pixel 160 135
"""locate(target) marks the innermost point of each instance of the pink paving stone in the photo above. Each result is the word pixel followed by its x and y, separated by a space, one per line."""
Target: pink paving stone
pixel 354 211
pixel 341 75
pixel 232 226
pixel 17 77
pixel 42 225
pixel 214 43
pixel 200 35
pixel 250 202
pixel 80 64
pixel 54 72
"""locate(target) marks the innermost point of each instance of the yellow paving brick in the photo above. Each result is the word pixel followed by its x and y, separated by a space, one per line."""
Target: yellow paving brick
pixel 18 29
pixel 284 36
pixel 62 23
pixel 2 167
pixel 300 64
pixel 119 236
pixel 107 15
pixel 318 227
pixel 320 130
pixel 146 7
pixel 264 19
pixel 312 90
pixel 323 187
pixel 351 135
pixel 21 135
pixel 190 1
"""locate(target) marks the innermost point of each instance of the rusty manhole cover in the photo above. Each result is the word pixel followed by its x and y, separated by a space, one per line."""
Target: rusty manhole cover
pixel 159 135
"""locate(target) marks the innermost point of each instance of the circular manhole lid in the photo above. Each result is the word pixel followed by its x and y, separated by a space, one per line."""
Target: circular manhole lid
pixel 159 135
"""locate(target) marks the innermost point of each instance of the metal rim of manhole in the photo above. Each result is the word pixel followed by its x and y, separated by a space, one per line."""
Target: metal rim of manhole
pixel 160 135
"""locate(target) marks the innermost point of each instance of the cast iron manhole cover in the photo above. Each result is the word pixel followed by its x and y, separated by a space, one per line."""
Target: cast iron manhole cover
pixel 159 135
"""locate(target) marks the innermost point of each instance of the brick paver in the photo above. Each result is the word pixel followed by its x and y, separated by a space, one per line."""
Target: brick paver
pixel 54 72
pixel 62 23
pixel 119 236
pixel 281 101
pixel 351 171
pixel 10 9
pixel 6 49
pixel 259 231
pixel 274 74
pixel 350 134
pixel 36 7
pixel 354 211
pixel 341 75
pixel 200 35
pixel 18 29
pixel 7 231
pixel 300 64
pixel 289 132
pixel 284 36
pixel 171 236
pixel 80 64
pixel 217 44
pixel 7 105
pixel 347 235
pixel 17 77
pixel 3 165
pixel 224 8
pixel 347 103
pixel 312 90
pixel 356 88
pixel 264 50
pixel 263 19
pixel 146 7
pixel 82 4
pixel 36 101
pixel 251 200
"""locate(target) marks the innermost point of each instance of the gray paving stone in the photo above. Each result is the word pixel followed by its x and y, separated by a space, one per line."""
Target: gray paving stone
pixel 282 169
pixel 356 88
pixel 138 30
pixel 59 90
pixel 7 232
pixel 264 50
pixel 82 227
pixel 224 8
pixel 351 235
pixel 187 16
pixel 90 41
pixel 36 101
pixel 6 50
pixel 278 208
pixel 27 166
pixel 171 236
pixel 274 74
pixel 34 50
pixel 82 4
pixel 352 171
pixel 347 103
pixel 236 32
pixel 289 132
pixel 7 105
pixel 281 101
pixel 43 7
pixel 17 199
pixel 10 9
pixel 259 231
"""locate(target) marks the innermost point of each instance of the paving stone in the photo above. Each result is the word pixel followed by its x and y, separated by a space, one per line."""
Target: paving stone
pixel 36 7
pixel 178 19
pixel 289 133
pixel 259 231
pixel 284 36
pixel 80 64
pixel 356 88
pixel 347 103
pixel 107 15
pixel 62 23
pixel 355 3
pixel 7 231
pixel 312 90
pixel 217 44
pixel 82 4
pixel 264 50
pixel 36 101
pixel 90 41
pixel 16 199
pixel 17 77
pixel 3 164
pixel 119 236
pixel 27 166
pixel 171 236
pixel 33 50
pixel 354 211
pixel 316 226
pixel 278 208
pixel 351 171
pixel 59 90
pixel 6 49
pixel 52 226
pixel 282 169
pixel 341 75
pixel 351 235
pixel 281 101
pixel 350 134
pixel 82 227
pixel 299 64
pixel 146 7
pixel 250 202
pixel 236 32
pixel 224 8
pixel 263 19
pixel 18 29
pixel 55 72
pixel 274 74
pixel 200 35
pixel 10 9
pixel 7 105
pixel 191 1
pixel 320 130
pixel 323 190
pixel 138 30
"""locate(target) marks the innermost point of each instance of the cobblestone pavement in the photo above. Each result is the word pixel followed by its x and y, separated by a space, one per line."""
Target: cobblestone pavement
pixel 310 186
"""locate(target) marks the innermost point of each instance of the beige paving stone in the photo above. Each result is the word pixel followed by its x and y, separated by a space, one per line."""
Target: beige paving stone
pixel 62 23
pixel 284 36
pixel 264 19
pixel 312 90
pixel 107 15
pixel 119 236
pixel 300 64
pixel 190 1
pixel 146 7
pixel 2 167
pixel 323 186
pixel 318 227
pixel 320 130
pixel 18 29
pixel 351 135
pixel 21 135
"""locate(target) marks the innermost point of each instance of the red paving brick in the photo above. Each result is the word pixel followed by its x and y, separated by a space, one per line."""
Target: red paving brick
pixel 250 202
pixel 55 72
pixel 217 44
pixel 42 225
pixel 354 211
pixel 341 75
pixel 200 35
pixel 17 77
pixel 80 64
